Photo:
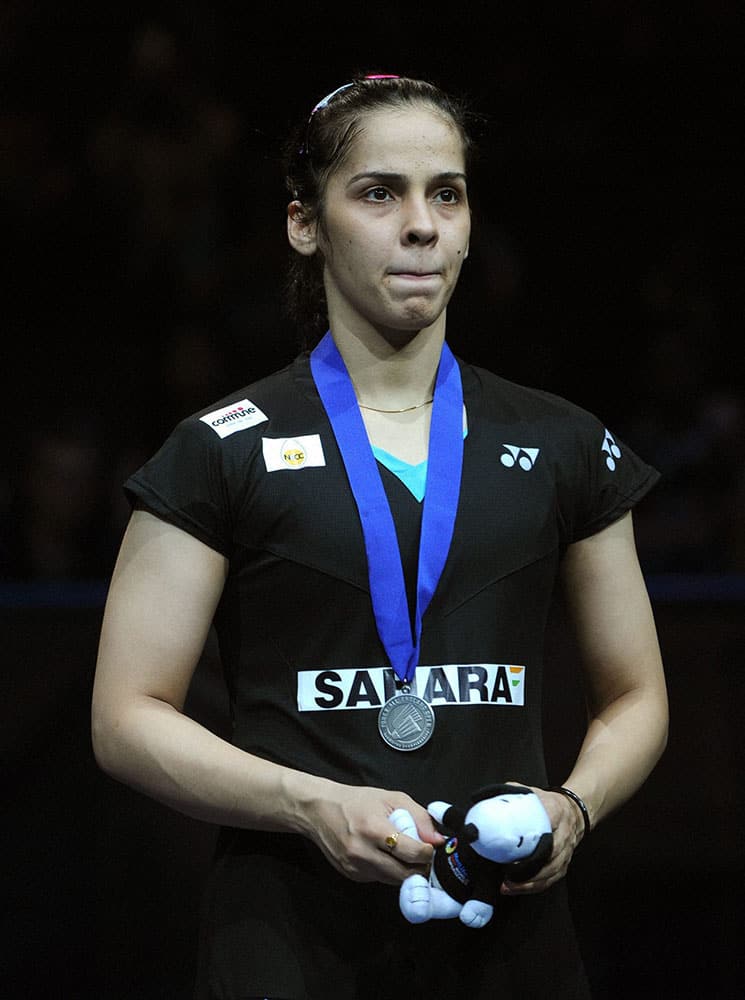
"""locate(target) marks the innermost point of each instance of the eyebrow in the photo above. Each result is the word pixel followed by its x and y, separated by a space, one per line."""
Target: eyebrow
pixel 391 177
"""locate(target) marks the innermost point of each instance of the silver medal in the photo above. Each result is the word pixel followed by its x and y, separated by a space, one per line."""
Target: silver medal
pixel 406 721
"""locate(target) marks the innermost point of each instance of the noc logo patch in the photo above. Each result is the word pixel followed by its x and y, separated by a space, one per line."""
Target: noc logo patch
pixel 305 451
pixel 497 684
pixel 236 417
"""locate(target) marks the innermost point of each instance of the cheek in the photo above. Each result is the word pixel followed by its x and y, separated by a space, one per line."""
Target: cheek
pixel 340 245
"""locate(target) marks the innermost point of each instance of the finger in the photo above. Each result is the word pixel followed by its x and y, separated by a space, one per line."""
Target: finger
pixel 425 826
pixel 537 884
pixel 554 870
pixel 523 888
pixel 518 873
pixel 382 867
pixel 430 834
pixel 378 866
pixel 396 872
pixel 406 850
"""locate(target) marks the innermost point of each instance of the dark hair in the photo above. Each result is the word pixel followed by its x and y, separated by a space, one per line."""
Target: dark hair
pixel 319 146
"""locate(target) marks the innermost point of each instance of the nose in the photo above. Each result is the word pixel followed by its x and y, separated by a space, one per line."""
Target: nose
pixel 419 222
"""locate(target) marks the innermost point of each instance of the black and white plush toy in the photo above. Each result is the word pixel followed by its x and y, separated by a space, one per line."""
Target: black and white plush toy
pixel 505 827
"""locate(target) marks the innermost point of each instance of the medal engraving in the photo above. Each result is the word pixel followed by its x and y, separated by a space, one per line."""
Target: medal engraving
pixel 406 722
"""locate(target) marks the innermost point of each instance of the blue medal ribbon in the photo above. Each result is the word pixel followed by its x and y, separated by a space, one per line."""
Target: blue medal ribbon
pixel 444 466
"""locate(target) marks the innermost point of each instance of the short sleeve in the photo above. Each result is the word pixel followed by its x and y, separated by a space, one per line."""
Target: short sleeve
pixel 599 479
pixel 184 484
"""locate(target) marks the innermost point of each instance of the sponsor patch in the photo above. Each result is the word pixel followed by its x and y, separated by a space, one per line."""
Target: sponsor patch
pixel 236 417
pixel 499 684
pixel 301 452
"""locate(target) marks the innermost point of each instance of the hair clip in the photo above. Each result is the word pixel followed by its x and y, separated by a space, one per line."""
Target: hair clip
pixel 329 97
pixel 325 101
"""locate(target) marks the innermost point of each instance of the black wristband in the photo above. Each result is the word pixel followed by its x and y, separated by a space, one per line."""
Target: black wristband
pixel 577 801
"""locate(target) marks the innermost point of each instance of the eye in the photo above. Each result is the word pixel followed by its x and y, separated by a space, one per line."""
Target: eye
pixel 448 196
pixel 379 194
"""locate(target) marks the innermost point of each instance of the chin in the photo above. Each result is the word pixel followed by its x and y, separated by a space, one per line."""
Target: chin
pixel 414 320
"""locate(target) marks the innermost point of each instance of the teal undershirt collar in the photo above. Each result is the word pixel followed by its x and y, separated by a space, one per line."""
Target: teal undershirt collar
pixel 414 477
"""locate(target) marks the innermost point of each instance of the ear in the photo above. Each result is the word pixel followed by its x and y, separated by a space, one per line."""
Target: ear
pixel 470 229
pixel 469 832
pixel 302 234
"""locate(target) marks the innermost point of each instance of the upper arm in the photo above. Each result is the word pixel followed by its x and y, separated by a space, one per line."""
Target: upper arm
pixel 608 602
pixel 163 594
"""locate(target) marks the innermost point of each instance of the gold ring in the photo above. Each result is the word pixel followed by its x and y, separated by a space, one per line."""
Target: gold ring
pixel 391 840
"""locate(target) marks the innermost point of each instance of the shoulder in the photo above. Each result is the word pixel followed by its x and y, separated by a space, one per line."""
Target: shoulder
pixel 223 440
pixel 554 417
pixel 237 422
pixel 537 429
pixel 208 466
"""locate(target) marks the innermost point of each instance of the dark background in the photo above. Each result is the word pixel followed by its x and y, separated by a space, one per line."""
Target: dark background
pixel 142 207
pixel 142 204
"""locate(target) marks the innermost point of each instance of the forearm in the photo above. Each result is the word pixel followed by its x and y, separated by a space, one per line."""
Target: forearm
pixel 622 667
pixel 154 748
pixel 624 741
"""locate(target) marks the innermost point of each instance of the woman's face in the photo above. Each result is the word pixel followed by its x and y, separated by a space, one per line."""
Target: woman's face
pixel 395 223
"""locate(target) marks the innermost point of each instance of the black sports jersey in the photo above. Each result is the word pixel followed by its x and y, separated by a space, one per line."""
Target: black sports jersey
pixel 259 478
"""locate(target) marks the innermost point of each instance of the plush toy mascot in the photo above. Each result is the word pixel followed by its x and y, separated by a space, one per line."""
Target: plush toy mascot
pixel 504 833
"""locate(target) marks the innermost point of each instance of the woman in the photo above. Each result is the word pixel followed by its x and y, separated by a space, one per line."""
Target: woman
pixel 281 512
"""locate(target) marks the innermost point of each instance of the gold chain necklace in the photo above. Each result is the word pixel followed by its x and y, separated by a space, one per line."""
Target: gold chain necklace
pixel 404 409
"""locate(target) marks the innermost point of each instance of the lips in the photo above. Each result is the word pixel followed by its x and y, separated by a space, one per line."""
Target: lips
pixel 414 274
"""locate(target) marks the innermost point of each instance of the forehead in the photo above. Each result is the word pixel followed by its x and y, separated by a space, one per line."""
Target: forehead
pixel 404 140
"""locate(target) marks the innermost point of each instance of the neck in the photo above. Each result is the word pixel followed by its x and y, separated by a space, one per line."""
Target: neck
pixel 391 372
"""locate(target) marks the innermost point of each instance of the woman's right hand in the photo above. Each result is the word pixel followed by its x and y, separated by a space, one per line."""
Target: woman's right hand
pixel 350 825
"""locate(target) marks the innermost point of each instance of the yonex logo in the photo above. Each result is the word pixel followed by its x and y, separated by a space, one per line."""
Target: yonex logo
pixel 515 454
pixel 611 449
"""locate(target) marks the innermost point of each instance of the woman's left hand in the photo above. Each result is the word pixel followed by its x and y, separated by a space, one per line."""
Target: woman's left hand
pixel 568 829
